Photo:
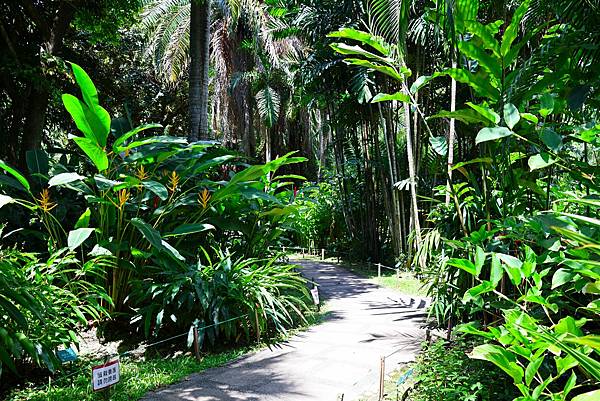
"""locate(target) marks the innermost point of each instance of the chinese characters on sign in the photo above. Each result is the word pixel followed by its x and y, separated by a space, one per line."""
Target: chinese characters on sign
pixel 106 375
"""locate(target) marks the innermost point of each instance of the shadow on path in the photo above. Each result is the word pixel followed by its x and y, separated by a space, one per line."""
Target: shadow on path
pixel 340 356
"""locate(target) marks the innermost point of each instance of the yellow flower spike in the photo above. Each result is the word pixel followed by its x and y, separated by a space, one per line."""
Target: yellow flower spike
pixel 122 197
pixel 141 173
pixel 173 181
pixel 203 198
pixel 44 201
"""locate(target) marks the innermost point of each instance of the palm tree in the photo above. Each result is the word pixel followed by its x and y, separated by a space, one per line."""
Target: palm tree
pixel 180 39
pixel 199 64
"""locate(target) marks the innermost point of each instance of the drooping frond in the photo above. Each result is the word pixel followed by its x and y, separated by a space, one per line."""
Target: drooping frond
pixel 268 102
pixel 165 24
pixel 388 19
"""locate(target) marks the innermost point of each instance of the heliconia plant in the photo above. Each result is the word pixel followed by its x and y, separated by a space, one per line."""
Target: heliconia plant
pixel 153 197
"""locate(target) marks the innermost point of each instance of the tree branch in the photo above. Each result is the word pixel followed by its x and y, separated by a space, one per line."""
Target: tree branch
pixel 38 18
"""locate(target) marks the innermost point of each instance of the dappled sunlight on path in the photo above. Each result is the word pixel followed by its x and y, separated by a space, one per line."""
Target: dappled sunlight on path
pixel 339 356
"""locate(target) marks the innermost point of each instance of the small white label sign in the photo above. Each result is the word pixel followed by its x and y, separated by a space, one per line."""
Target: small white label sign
pixel 315 295
pixel 106 375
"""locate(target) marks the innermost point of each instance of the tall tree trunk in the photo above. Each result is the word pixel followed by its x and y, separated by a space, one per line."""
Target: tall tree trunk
pixel 199 64
pixel 33 130
pixel 451 135
pixel 53 32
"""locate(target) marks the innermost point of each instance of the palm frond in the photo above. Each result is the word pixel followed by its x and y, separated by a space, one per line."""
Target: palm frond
pixel 268 103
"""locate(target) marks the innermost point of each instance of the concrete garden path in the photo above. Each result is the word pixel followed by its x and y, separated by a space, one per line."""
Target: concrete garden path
pixel 339 356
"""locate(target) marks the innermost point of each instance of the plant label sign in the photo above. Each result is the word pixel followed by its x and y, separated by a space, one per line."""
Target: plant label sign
pixel 315 295
pixel 104 376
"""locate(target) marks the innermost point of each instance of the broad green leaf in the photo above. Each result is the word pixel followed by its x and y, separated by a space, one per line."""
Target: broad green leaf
pixel 78 236
pixel 88 90
pixel 98 250
pixel 511 115
pixel 478 290
pixel 186 229
pixel 479 84
pixel 439 145
pixel 593 395
pixel 463 264
pixel 385 69
pixel 479 259
pixel 546 105
pixel 513 267
pixel 561 277
pixel 345 49
pixel 471 328
pixel 5 200
pixel 152 235
pixel 157 188
pixel 96 154
pixel 375 42
pixel 421 82
pixel 64 178
pixel 384 97
pixel 539 161
pixel 75 107
pixel 511 32
pixel 172 251
pixel 569 325
pixel 163 139
pixel 18 176
pixel 530 117
pixel 501 358
pixel 491 134
pixel 570 384
pixel 486 34
pixel 97 117
pixel 594 306
pixel 467 116
pixel 532 369
pixel 489 63
pixel 496 271
pixel 486 112
pixel 84 220
pixel 485 160
pixel 121 140
pixel 551 139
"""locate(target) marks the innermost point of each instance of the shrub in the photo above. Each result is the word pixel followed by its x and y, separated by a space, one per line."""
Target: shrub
pixel 234 297
pixel 43 302
pixel 444 372
pixel 152 200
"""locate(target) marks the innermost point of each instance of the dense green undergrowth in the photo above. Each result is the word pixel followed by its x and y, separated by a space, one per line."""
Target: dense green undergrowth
pixel 154 233
pixel 444 371
pixel 141 375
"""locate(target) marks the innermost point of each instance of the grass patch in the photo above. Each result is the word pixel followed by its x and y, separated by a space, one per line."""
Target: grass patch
pixel 138 377
pixel 407 283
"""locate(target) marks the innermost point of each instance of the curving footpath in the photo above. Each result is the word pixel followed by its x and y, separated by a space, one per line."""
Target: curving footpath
pixel 339 356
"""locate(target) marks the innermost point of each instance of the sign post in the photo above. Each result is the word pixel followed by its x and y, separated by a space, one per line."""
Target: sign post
pixel 105 376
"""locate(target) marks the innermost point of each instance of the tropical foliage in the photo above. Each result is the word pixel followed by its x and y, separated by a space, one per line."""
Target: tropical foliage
pixel 454 138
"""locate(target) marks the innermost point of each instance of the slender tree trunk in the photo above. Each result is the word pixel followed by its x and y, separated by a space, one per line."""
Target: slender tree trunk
pixel 451 135
pixel 411 172
pixel 199 64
